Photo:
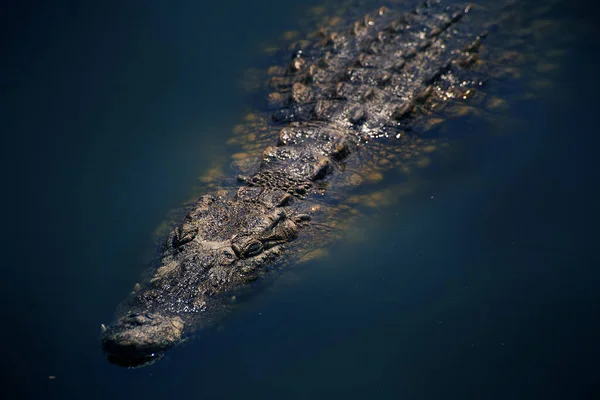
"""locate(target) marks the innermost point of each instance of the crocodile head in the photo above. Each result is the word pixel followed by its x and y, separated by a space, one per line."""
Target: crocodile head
pixel 140 339
pixel 223 243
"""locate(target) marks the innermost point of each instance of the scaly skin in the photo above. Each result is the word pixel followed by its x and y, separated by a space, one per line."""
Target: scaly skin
pixel 346 88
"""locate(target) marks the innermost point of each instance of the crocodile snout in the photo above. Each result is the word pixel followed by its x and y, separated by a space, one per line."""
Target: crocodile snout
pixel 141 338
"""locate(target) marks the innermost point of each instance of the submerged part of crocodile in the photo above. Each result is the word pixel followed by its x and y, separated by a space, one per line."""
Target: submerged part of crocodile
pixel 370 79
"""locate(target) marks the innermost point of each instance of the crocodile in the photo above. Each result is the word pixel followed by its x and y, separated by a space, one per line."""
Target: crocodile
pixel 375 78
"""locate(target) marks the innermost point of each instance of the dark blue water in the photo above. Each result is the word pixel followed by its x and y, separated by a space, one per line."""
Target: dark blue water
pixel 482 283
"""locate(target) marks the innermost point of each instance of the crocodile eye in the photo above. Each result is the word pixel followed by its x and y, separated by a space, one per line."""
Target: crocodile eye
pixel 252 248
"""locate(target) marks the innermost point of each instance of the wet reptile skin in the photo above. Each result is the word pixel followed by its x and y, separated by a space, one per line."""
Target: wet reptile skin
pixel 346 88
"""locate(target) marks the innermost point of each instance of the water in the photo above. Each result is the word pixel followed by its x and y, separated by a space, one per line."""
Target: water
pixel 480 284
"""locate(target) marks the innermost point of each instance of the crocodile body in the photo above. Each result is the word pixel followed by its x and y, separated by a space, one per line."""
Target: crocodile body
pixel 372 78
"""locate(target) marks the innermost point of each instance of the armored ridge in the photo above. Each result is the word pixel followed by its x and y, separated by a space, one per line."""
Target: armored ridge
pixel 366 81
